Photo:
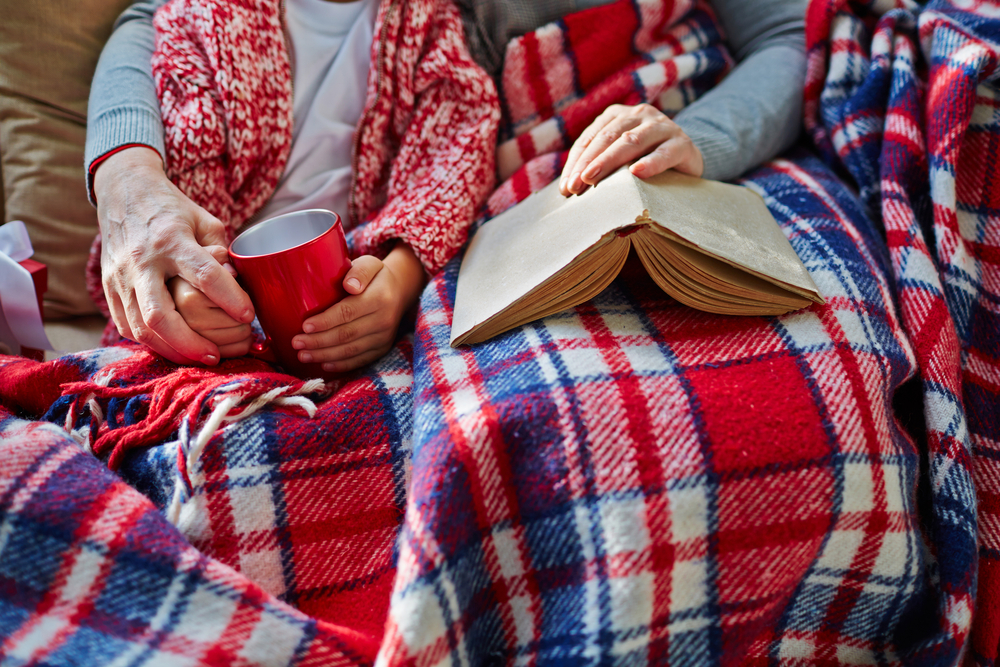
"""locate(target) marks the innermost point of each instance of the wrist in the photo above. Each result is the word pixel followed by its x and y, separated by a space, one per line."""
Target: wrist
pixel 131 160
pixel 409 271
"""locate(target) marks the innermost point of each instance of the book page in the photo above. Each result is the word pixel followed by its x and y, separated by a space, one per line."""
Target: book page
pixel 718 275
pixel 712 245
pixel 562 291
pixel 517 251
pixel 729 222
pixel 712 297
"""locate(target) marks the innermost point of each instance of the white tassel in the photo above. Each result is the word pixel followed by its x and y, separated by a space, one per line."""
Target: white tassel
pixel 208 430
pixel 221 413
pixel 174 511
pixel 82 434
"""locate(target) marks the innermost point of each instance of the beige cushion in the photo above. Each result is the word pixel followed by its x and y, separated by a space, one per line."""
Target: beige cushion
pixel 48 52
pixel 2 197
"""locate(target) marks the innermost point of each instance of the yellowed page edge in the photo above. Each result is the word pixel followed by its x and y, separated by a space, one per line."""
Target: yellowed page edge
pixel 549 299
pixel 724 277
pixel 728 222
pixel 521 249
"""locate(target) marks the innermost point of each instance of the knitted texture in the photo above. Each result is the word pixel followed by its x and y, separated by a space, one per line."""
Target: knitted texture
pixel 223 78
pixel 627 482
pixel 424 149
pixel 424 153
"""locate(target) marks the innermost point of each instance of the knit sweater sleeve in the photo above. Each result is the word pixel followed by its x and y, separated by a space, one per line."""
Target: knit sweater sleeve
pixel 444 167
pixel 123 108
pixel 756 111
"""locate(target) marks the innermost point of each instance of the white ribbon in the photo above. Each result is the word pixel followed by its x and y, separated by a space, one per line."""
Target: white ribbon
pixel 20 321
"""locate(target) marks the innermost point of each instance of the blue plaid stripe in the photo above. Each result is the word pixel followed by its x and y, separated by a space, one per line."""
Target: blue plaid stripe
pixel 542 381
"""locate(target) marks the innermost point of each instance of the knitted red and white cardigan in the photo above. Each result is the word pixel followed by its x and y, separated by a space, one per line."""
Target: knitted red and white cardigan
pixel 424 148
pixel 423 151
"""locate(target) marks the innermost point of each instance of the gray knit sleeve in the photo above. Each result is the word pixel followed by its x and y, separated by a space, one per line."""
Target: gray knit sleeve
pixel 756 111
pixel 123 107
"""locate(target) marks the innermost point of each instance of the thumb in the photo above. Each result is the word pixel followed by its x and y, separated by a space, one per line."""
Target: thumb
pixel 221 255
pixel 218 253
pixel 363 270
pixel 209 230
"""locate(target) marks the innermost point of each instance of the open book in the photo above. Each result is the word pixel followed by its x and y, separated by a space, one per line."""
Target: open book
pixel 710 245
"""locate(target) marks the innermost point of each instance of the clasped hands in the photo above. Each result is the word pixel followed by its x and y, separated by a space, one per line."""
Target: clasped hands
pixel 169 284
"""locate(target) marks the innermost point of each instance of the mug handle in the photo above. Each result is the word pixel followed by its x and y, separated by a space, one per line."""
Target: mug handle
pixel 261 349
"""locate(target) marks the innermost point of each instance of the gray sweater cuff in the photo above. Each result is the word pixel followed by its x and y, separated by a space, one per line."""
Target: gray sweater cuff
pixel 752 115
pixel 717 147
pixel 119 127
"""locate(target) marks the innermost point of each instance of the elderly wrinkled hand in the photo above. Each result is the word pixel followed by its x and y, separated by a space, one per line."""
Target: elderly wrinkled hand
pixel 151 233
pixel 622 134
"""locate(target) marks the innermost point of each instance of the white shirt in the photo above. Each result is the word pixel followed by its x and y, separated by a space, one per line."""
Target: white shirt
pixel 331 54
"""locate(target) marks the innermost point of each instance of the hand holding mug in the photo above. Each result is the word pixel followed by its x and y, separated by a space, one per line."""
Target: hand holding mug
pixel 152 232
pixel 206 319
pixel 363 326
pixel 322 313
pixel 293 267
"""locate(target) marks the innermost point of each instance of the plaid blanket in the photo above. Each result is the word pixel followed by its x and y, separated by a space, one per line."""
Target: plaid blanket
pixel 919 136
pixel 630 481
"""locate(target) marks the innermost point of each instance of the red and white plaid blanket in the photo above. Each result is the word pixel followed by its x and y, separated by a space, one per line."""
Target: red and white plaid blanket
pixel 627 482
pixel 908 100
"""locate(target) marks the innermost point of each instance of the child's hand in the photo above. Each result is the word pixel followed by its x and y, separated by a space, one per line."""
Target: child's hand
pixel 208 320
pixel 362 327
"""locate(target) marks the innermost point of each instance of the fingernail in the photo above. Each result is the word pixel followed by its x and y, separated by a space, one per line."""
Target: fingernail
pixel 563 183
pixel 309 328
pixel 230 268
pixel 638 167
pixel 329 367
pixel 305 357
pixel 591 172
pixel 574 182
pixel 209 360
pixel 354 282
pixel 247 316
pixel 298 345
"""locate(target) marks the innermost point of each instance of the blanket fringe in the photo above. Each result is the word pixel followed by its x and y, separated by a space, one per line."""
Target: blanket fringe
pixel 189 453
pixel 177 402
pixel 84 435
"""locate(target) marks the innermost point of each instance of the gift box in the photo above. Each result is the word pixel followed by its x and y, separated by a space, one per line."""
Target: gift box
pixel 40 277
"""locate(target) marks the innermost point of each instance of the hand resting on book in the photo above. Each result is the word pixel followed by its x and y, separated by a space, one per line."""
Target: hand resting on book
pixel 622 134
pixel 710 245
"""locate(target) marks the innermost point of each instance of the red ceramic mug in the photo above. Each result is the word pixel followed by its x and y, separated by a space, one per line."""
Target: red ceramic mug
pixel 293 267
